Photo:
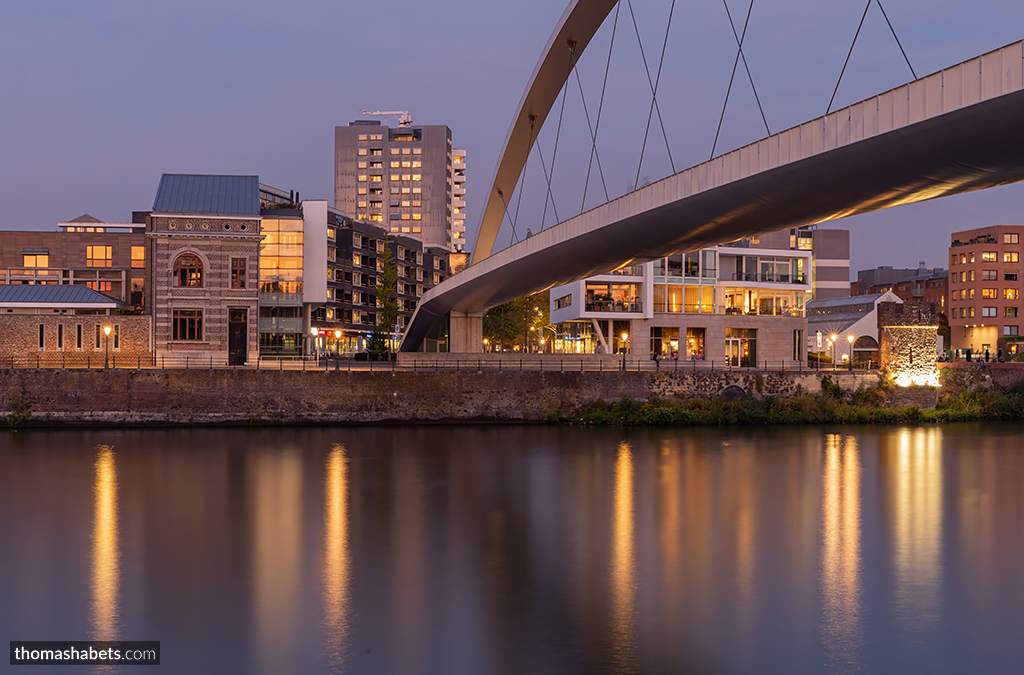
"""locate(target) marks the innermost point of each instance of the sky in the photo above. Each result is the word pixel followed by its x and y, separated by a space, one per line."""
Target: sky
pixel 98 99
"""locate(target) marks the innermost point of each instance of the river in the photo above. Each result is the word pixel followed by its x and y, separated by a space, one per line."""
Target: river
pixel 522 549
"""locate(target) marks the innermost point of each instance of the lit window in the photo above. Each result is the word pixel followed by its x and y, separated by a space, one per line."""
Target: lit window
pixel 394 165
pixel 188 324
pixel 357 259
pixel 361 178
pixel 417 151
pixel 361 205
pixel 988 256
pixel 361 191
pixel 35 260
pixel 188 271
pixel 361 165
pixel 1011 239
pixel 417 216
pixel 362 137
pixel 1010 294
pixel 98 256
pixel 417 176
pixel 1010 312
pixel 238 273
pixel 417 230
pixel 989 293
pixel 394 151
pixel 963 258
pixel 138 256
pixel 361 152
pixel 375 179
pixel 417 190
pixel 405 216
pixel 395 177
pixel 417 164
pixel 406 165
pixel 406 151
pixel 1011 257
pixel 406 176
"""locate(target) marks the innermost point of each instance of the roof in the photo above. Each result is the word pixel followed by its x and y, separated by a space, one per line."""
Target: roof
pixel 227 195
pixel 847 301
pixel 12 295
pixel 85 218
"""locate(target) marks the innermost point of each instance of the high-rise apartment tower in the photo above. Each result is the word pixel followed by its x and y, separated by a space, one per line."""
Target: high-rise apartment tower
pixel 401 178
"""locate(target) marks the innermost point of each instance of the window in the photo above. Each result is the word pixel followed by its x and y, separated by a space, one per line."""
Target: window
pixel 42 336
pixel 1010 294
pixel 138 256
pixel 188 271
pixel 1010 276
pixel 989 293
pixel 963 258
pixel 361 165
pixel 101 286
pixel 116 334
pixel 362 137
pixel 1011 238
pixel 989 275
pixel 988 312
pixel 376 179
pixel 35 260
pixel 361 191
pixel 357 259
pixel 1011 257
pixel 238 272
pixel 1010 312
pixel 1010 330
pixel 417 176
pixel 394 165
pixel 405 176
pixel 988 256
pixel 188 324
pixel 99 336
pixel 361 152
pixel 394 151
pixel 78 336
pixel 417 151
pixel 955 312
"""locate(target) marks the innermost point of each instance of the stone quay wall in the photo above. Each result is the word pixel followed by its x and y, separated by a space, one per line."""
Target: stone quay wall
pixel 173 397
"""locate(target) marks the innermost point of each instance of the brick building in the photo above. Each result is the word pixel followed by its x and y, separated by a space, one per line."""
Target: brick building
pixel 203 239
pixel 66 326
pixel 984 287
pixel 106 257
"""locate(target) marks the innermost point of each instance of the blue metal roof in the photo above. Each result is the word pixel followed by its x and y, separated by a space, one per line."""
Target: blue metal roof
pixel 51 294
pixel 219 195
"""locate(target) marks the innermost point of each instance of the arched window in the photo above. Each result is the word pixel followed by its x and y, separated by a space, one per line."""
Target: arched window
pixel 188 271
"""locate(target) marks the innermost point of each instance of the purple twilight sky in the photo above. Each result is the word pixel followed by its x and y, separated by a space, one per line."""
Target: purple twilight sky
pixel 100 98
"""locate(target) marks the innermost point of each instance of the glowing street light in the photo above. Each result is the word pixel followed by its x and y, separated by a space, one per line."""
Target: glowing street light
pixel 850 340
pixel 106 332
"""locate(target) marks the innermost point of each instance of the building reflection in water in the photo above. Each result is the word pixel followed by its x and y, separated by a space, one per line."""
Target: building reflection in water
pixel 410 560
pixel 277 558
pixel 841 574
pixel 623 572
pixel 916 470
pixel 106 551
pixel 337 563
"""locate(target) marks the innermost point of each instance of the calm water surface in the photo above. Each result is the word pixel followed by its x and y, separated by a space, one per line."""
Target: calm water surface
pixel 522 549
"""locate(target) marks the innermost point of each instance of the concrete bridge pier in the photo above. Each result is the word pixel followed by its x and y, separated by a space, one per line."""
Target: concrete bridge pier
pixel 466 332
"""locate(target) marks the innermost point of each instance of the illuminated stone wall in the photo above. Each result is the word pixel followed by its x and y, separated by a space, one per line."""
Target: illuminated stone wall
pixel 907 342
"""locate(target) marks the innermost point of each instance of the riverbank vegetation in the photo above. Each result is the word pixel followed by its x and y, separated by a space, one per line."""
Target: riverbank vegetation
pixel 833 405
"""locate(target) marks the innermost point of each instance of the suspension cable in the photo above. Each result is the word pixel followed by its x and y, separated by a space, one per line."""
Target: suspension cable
pixel 832 100
pixel 593 146
pixel 501 196
pixel 558 133
pixel 879 3
pixel 735 64
pixel 745 66
pixel 654 94
pixel 597 123
pixel 522 179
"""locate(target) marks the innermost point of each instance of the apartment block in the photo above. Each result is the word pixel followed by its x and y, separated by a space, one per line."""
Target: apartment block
pixel 737 304
pixel 107 257
pixel 985 288
pixel 402 179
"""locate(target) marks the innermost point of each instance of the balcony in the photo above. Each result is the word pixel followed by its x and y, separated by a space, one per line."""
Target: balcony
pixel 280 325
pixel 458 166
pixel 771 278
pixel 612 306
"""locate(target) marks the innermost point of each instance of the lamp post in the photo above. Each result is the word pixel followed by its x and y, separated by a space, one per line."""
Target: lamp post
pixel 313 332
pixel 833 338
pixel 106 333
pixel 849 338
pixel 625 336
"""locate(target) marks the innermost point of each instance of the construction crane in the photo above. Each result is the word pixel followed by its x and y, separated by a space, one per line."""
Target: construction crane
pixel 404 118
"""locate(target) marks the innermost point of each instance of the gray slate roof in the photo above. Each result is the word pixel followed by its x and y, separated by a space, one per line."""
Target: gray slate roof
pixel 214 195
pixel 55 294
pixel 845 301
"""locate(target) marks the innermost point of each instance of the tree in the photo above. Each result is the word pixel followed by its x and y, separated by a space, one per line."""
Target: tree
pixel 509 325
pixel 386 293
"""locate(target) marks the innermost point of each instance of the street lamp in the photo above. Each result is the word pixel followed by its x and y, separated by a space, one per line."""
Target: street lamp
pixel 833 338
pixel 850 340
pixel 625 336
pixel 313 332
pixel 106 332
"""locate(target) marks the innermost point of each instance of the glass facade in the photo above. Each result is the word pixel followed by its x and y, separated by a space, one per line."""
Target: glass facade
pixel 281 287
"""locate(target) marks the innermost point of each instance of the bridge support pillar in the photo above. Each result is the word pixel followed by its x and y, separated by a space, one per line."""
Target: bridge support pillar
pixel 466 332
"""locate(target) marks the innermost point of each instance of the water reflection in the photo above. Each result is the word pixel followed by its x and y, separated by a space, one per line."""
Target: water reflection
pixel 917 530
pixel 841 554
pixel 336 556
pixel 277 558
pixel 106 552
pixel 623 563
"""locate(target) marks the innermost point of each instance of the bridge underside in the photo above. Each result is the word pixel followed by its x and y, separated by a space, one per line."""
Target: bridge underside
pixel 971 148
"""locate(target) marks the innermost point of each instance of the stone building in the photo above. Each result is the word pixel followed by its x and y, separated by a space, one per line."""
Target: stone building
pixel 203 239
pixel 908 335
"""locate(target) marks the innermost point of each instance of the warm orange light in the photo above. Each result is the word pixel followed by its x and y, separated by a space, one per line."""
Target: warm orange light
pixel 833 337
pixel 625 336
pixel 850 338
pixel 106 330
pixel 337 333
